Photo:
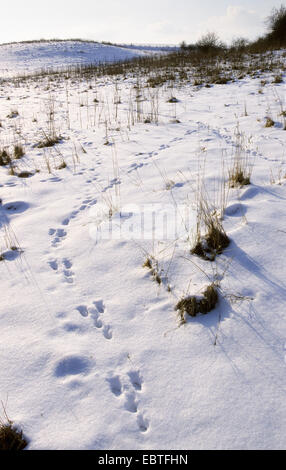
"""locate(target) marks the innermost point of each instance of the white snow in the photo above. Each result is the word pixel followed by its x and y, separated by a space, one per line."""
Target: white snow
pixel 27 58
pixel 92 354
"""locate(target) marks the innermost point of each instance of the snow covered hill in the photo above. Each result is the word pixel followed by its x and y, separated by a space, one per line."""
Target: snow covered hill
pixel 26 58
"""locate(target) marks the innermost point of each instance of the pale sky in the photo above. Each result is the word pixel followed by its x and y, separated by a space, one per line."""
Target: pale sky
pixel 132 21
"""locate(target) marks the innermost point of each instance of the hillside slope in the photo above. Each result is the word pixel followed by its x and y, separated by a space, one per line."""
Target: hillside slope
pixel 26 58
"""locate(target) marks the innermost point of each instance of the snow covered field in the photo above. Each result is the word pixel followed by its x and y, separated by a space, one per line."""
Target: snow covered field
pixel 93 355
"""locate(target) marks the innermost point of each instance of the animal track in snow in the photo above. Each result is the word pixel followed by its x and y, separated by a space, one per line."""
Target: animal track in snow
pixel 236 210
pixel 135 379
pixel 85 204
pixel 131 403
pixel 115 385
pixel 16 207
pixel 107 332
pixel 82 310
pixel 113 182
pixel 135 167
pixel 99 305
pixel 128 388
pixel 72 365
pixel 249 193
pixel 53 264
pixel 164 147
pixel 57 235
pixel 95 312
pixel 64 266
pixel 142 422
pixel 148 155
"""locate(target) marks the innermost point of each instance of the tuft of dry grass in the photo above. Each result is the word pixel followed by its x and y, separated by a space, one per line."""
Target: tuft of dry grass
pixel 238 178
pixel 173 99
pixel 18 152
pixel 13 114
pixel 62 165
pixel 5 158
pixel 193 305
pixel 48 141
pixel 147 264
pixel 213 243
pixel 11 438
pixel 24 174
pixel 278 79
pixel 211 238
pixel 269 122
pixel 152 265
pixel 240 172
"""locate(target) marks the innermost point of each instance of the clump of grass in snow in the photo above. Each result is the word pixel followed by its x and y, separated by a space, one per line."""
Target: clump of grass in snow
pixel 282 113
pixel 278 79
pixel 213 243
pixel 169 184
pixel 14 113
pixel 24 174
pixel 193 305
pixel 158 80
pixel 240 172
pixel 51 136
pixel 211 238
pixel 62 165
pixel 269 122
pixel 49 141
pixel 173 99
pixel 18 151
pixel 148 263
pixel 11 438
pixel 153 266
pixel 5 158
pixel 237 178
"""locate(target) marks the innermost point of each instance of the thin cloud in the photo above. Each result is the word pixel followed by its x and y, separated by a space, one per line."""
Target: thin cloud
pixel 238 21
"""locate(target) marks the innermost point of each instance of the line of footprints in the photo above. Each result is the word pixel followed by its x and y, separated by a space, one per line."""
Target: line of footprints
pixel 132 386
pixel 59 234
pixel 129 389
pixel 95 312
pixel 63 267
